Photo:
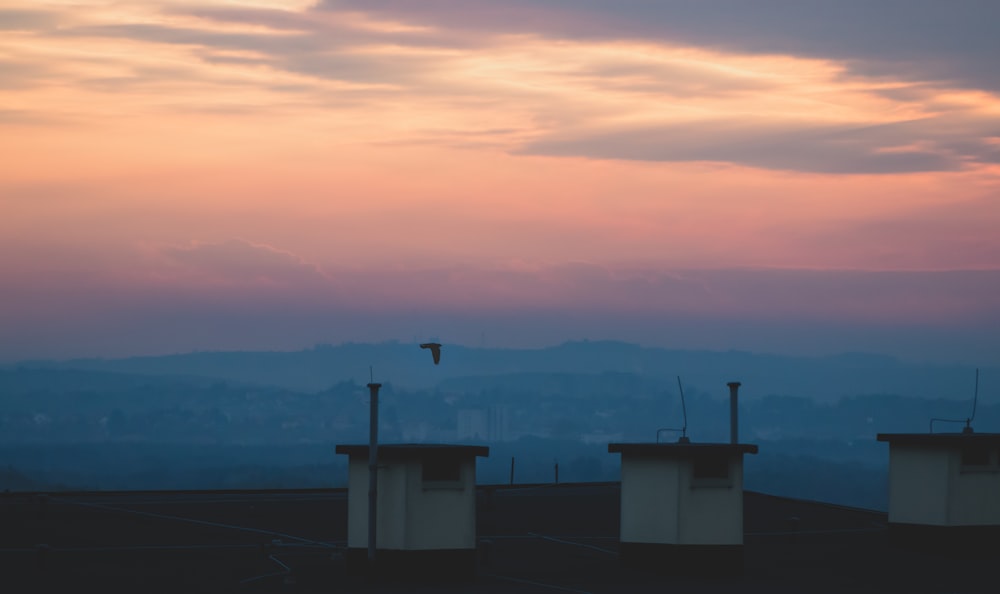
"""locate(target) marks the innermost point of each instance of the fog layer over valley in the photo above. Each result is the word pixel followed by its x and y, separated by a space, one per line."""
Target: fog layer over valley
pixel 271 420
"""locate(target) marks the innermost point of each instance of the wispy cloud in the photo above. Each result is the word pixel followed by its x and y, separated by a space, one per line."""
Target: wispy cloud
pixel 240 262
pixel 916 145
pixel 25 20
pixel 432 71
pixel 952 42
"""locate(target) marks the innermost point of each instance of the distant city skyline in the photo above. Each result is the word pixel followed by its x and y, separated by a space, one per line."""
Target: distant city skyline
pixel 795 177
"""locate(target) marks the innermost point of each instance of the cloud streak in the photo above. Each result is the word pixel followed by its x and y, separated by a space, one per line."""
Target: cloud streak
pixel 240 262
pixel 922 39
pixel 903 147
pixel 674 96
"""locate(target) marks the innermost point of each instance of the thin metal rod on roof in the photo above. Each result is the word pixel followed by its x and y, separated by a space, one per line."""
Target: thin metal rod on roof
pixel 682 430
pixel 684 409
pixel 968 421
pixel 975 397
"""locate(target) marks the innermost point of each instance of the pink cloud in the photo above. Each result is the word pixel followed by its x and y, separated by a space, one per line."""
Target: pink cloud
pixel 240 262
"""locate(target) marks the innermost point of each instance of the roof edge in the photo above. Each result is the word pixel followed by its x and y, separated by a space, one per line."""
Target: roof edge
pixel 415 450
pixel 938 438
pixel 674 449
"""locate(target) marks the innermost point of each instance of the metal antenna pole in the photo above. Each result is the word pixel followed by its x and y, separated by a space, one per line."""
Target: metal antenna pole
pixel 372 470
pixel 684 409
pixel 975 399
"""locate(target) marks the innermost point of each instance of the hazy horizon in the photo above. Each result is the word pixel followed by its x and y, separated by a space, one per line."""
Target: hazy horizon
pixel 926 355
pixel 296 348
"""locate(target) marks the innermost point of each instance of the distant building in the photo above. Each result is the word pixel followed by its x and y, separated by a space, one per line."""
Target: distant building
pixel 499 419
pixel 490 424
pixel 682 506
pixel 426 509
pixel 944 489
pixel 472 424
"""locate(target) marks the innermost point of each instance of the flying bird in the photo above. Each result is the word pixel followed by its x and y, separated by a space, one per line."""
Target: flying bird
pixel 435 348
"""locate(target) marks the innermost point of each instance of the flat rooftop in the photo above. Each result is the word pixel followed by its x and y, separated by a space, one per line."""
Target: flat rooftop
pixel 941 439
pixel 533 538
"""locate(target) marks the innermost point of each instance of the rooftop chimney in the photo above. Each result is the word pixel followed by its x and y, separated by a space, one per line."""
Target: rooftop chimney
pixel 734 390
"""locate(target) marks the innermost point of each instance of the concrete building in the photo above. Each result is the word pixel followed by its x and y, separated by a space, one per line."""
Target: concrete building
pixel 682 506
pixel 426 508
pixel 473 424
pixel 944 489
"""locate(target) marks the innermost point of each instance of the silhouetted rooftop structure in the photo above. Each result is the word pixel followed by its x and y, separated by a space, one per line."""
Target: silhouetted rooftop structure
pixel 426 509
pixel 682 506
pixel 944 490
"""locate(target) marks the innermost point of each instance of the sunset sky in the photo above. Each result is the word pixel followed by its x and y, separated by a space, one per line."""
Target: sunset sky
pixel 788 176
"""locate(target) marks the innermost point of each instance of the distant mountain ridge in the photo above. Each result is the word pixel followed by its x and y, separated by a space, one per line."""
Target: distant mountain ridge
pixel 406 366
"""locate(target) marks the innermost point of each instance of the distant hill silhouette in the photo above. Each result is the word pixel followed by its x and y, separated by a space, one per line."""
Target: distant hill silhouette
pixel 403 364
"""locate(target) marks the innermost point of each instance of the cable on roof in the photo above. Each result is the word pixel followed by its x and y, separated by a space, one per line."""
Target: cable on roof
pixel 575 544
pixel 175 501
pixel 285 571
pixel 200 522
pixel 534 583
pixel 183 547
pixel 807 532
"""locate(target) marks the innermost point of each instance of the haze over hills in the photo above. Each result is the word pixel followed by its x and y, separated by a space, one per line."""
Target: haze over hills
pixel 405 366
pixel 270 419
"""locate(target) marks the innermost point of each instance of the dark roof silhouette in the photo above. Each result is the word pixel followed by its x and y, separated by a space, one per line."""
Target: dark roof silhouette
pixel 687 448
pixel 408 451
pixel 533 538
pixel 959 439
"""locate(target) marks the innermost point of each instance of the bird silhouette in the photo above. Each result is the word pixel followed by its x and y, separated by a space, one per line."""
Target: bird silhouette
pixel 435 350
